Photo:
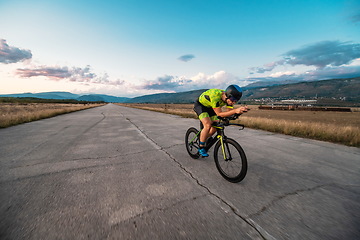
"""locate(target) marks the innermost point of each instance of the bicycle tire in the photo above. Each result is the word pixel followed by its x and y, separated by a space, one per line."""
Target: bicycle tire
pixel 192 147
pixel 237 165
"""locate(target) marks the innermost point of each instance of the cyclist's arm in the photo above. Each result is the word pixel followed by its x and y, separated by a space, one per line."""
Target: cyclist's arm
pixel 228 113
pixel 220 113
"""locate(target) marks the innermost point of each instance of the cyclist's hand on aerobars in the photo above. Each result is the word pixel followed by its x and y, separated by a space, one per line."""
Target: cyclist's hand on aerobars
pixel 238 110
pixel 241 110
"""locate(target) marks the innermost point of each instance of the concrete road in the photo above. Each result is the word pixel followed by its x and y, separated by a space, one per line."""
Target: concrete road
pixel 119 173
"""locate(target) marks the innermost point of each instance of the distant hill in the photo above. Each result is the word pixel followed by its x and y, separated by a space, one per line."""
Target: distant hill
pixel 344 89
pixel 67 95
pixel 269 83
pixel 45 95
pixel 103 98
pixel 108 98
pixel 61 95
pixel 348 89
pixel 90 98
pixel 181 97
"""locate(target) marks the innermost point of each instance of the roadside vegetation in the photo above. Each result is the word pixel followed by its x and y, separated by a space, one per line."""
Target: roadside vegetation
pixel 337 127
pixel 13 113
pixel 41 100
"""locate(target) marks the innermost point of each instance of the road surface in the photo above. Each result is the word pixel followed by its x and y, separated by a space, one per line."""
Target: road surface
pixel 119 173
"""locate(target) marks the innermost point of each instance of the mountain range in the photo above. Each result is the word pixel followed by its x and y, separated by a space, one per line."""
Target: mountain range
pixel 345 89
pixel 68 95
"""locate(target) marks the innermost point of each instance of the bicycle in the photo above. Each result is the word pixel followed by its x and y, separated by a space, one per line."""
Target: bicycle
pixel 230 158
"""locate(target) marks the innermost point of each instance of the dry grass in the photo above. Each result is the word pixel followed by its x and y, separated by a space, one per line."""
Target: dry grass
pixel 344 134
pixel 337 127
pixel 16 113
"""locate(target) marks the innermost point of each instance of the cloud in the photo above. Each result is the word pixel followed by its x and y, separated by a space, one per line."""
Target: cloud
pixel 186 58
pixel 10 54
pixel 327 53
pixel 313 75
pixel 282 74
pixel 320 55
pixel 74 74
pixel 267 67
pixel 331 73
pixel 167 83
pixel 49 72
pixel 220 79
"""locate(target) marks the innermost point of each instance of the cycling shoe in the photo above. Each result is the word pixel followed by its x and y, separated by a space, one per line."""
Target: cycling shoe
pixel 203 152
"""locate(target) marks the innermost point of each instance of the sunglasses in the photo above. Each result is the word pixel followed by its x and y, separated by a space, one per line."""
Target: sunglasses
pixel 233 99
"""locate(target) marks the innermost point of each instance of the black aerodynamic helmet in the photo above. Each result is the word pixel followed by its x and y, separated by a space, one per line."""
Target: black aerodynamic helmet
pixel 233 92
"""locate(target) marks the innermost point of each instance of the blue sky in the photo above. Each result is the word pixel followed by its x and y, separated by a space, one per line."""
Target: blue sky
pixel 136 47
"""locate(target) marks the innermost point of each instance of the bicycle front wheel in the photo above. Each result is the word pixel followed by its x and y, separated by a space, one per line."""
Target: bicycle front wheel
pixel 192 142
pixel 230 160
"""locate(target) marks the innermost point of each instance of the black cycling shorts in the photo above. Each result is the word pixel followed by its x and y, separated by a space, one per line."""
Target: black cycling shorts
pixel 204 112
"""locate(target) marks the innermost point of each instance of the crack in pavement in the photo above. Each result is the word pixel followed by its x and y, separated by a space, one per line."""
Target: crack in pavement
pixel 249 221
pixel 174 145
pixel 85 158
pixel 264 208
pixel 296 192
pixel 67 170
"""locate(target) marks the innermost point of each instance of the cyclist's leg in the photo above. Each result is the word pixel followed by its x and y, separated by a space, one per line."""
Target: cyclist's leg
pixel 207 131
pixel 207 120
pixel 206 117
pixel 213 118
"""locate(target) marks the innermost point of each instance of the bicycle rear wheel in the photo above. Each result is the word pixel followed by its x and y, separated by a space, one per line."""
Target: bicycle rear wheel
pixel 231 161
pixel 192 142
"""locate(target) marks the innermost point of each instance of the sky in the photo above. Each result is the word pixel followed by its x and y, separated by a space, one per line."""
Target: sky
pixel 129 48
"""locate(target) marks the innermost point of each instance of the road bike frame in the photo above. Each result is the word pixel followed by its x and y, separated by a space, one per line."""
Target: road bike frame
pixel 220 136
pixel 232 164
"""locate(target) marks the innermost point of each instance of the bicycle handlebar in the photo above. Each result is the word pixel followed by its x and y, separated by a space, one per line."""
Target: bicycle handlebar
pixel 225 121
pixel 232 117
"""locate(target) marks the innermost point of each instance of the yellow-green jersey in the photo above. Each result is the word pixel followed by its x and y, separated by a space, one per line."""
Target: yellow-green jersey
pixel 212 98
pixel 208 100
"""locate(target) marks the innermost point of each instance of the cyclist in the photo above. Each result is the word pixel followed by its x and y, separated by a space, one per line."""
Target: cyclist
pixel 208 107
